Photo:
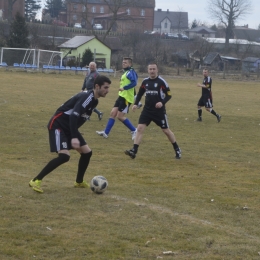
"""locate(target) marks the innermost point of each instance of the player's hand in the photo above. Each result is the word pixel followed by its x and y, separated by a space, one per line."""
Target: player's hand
pixel 198 85
pixel 121 89
pixel 134 107
pixel 75 143
pixel 158 105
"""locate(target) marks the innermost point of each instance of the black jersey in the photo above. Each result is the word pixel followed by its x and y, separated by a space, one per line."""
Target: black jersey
pixel 207 81
pixel 73 113
pixel 155 90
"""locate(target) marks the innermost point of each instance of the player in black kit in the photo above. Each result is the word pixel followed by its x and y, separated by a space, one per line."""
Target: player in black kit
pixel 157 94
pixel 64 134
pixel 206 97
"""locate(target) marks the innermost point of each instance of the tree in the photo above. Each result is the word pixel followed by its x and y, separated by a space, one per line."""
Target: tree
pixel 194 24
pixel 54 7
pixel 19 33
pixel 87 57
pixel 227 12
pixel 30 8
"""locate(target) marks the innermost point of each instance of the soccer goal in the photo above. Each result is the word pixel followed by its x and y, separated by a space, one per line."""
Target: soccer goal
pixel 35 57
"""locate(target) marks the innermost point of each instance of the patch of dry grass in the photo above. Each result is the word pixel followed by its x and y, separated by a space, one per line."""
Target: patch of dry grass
pixel 204 206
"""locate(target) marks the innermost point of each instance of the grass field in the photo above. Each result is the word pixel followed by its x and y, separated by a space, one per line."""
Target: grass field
pixel 204 206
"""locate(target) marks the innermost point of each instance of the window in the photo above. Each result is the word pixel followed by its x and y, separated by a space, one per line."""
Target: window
pixel 165 25
pixel 75 7
pixel 128 11
pixel 84 8
pixel 74 17
pixel 93 9
pixel 142 12
pixel 102 9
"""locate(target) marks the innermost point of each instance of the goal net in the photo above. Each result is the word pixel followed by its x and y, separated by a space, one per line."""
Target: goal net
pixel 36 57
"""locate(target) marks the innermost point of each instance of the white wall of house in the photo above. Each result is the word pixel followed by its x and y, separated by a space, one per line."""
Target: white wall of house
pixel 166 25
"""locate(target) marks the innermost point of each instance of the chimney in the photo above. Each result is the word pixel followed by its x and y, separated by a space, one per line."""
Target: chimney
pixel 167 10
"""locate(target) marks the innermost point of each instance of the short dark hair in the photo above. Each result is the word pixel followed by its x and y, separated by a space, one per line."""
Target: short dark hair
pixel 129 59
pixel 101 79
pixel 153 63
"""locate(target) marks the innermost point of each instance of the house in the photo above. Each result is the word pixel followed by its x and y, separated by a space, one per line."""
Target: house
pixel 167 21
pixel 90 12
pixel 18 6
pixel 75 47
pixel 201 31
pixel 245 33
pixel 251 64
pixel 231 62
pixel 181 58
pixel 213 60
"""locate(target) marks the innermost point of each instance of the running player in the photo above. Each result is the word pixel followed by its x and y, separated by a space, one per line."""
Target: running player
pixel 64 134
pixel 206 97
pixel 157 94
pixel 126 98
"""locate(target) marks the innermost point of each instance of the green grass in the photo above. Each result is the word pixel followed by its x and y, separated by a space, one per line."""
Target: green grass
pixel 204 206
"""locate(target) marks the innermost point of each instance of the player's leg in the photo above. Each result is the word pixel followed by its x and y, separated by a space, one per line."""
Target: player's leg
pixel 209 108
pixel 200 105
pixel 122 110
pixel 110 122
pixel 99 113
pixel 144 121
pixel 162 122
pixel 58 143
pixel 85 155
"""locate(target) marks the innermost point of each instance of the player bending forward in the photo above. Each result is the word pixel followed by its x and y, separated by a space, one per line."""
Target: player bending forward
pixel 157 94
pixel 64 134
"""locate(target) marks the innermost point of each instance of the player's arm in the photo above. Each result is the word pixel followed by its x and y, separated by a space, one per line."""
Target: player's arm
pixel 166 93
pixel 84 86
pixel 132 76
pixel 140 94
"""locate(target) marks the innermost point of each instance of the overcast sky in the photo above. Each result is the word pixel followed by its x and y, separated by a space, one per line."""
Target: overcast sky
pixel 197 10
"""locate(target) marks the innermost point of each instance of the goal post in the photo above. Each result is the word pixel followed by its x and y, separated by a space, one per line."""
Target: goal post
pixel 36 57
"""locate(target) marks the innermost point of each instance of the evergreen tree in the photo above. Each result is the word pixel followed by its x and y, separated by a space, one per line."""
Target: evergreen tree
pixel 87 57
pixel 19 33
pixel 30 9
pixel 54 7
pixel 194 24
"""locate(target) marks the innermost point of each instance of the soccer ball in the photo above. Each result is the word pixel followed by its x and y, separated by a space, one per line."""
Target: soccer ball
pixel 98 184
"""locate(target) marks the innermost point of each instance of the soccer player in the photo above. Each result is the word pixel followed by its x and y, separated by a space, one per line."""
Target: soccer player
pixel 126 98
pixel 88 83
pixel 206 97
pixel 64 134
pixel 157 94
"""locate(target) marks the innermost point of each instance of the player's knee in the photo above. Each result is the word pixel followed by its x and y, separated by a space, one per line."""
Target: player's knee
pixel 86 155
pixel 64 157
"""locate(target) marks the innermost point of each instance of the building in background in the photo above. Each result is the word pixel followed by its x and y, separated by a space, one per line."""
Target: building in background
pixel 139 15
pixel 169 22
pixel 18 6
pixel 200 31
pixel 75 47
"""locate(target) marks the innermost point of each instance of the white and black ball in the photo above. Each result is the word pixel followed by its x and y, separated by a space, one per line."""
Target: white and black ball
pixel 99 184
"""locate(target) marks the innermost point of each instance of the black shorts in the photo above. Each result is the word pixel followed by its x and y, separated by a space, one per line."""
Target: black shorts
pixel 59 140
pixel 122 104
pixel 205 101
pixel 159 119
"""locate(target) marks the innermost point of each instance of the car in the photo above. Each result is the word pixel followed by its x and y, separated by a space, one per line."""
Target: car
pixel 183 36
pixel 97 26
pixel 59 23
pixel 172 36
pixel 77 25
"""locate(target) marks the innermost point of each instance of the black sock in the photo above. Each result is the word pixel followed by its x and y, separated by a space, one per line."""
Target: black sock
pixel 96 111
pixel 175 146
pixel 135 148
pixel 213 112
pixel 83 165
pixel 200 112
pixel 52 165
